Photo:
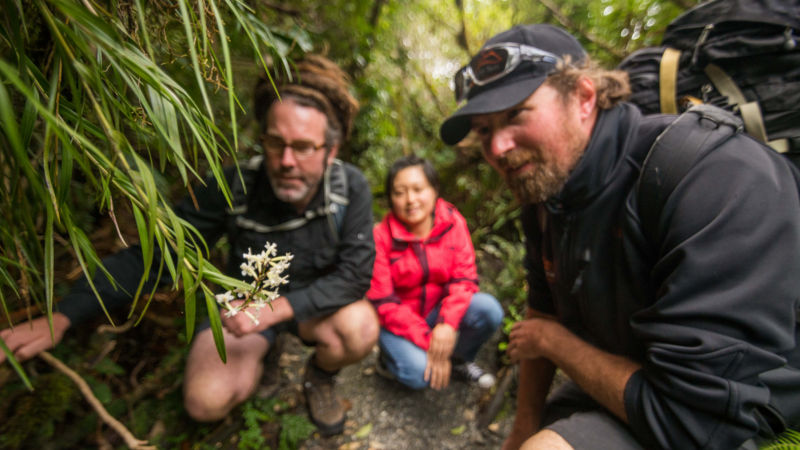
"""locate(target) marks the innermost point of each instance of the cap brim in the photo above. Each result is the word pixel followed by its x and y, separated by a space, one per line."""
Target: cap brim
pixel 491 100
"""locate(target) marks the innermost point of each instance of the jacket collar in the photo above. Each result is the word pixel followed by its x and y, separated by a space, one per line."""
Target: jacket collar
pixel 611 136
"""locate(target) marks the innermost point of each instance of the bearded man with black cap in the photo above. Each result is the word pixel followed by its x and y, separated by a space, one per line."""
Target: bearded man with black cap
pixel 678 332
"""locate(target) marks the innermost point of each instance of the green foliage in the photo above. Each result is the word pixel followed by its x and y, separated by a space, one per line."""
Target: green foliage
pixel 504 259
pixel 255 412
pixel 96 100
pixel 294 428
pixel 788 440
pixel 31 415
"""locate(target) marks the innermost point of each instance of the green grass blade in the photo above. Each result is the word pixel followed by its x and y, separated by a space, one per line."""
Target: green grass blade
pixel 216 322
pixel 190 38
pixel 190 302
pixel 17 367
pixel 49 271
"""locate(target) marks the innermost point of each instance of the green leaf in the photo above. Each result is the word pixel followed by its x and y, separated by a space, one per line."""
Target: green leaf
pixel 109 367
pixel 216 323
pixel 190 302
pixel 363 432
pixel 17 367
pixel 459 430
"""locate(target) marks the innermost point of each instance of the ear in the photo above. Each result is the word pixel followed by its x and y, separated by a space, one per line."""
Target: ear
pixel 586 95
pixel 334 150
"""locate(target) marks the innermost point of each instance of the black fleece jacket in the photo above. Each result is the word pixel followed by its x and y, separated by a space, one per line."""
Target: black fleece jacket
pixel 325 274
pixel 708 310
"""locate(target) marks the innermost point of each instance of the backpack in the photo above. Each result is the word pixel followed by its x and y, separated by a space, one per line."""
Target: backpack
pixel 740 55
pixel 334 184
pixel 699 130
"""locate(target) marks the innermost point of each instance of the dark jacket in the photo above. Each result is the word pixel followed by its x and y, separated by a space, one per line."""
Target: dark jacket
pixel 326 273
pixel 412 276
pixel 708 309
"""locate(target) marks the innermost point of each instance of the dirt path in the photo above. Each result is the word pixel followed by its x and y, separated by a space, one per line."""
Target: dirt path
pixel 385 415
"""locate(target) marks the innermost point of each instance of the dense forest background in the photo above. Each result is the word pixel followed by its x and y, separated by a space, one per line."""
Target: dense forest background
pixel 112 110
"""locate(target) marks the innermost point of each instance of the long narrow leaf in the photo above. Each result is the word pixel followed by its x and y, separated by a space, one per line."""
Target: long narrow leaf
pixel 216 323
pixel 190 38
pixel 48 271
pixel 15 365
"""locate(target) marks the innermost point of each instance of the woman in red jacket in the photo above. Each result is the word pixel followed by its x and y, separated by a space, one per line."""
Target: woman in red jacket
pixel 425 285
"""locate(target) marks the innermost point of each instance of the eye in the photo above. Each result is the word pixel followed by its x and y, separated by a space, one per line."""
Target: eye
pixel 515 113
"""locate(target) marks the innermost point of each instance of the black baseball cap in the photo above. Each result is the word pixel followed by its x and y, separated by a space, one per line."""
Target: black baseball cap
pixel 518 85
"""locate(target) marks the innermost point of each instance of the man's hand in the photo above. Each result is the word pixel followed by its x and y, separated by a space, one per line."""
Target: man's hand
pixel 29 339
pixel 241 324
pixel 437 371
pixel 526 339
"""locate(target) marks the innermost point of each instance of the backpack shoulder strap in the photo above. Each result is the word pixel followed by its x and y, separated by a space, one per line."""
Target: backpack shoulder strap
pixel 693 134
pixel 335 196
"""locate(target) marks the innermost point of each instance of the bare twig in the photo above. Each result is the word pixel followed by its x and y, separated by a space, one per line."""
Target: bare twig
pixel 461 37
pixel 570 25
pixel 126 435
pixel 102 329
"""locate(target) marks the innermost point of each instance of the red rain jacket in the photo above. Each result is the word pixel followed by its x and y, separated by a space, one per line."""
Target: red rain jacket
pixel 412 275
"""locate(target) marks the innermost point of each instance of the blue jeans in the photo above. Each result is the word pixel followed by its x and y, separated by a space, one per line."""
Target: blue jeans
pixel 407 361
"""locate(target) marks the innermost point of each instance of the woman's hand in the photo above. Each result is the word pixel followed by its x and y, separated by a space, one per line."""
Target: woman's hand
pixel 437 371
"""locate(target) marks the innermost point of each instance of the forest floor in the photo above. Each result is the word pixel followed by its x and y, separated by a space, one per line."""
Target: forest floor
pixel 137 375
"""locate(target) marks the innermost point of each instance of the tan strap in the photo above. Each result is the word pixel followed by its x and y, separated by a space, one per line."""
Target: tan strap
pixel 668 80
pixel 753 122
pixel 750 111
pixel 725 84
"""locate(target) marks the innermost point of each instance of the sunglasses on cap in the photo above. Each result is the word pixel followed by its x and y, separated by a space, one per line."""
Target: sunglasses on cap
pixel 495 62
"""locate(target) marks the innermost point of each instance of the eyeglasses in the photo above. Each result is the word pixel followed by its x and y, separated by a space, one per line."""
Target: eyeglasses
pixel 275 145
pixel 495 62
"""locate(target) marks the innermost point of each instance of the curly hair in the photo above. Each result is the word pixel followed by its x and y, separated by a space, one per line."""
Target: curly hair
pixel 316 82
pixel 612 86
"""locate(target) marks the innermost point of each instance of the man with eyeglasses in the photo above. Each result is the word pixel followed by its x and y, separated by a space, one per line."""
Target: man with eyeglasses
pixel 678 335
pixel 300 198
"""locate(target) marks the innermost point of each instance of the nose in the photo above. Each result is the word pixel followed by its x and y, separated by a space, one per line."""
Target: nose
pixel 500 142
pixel 287 157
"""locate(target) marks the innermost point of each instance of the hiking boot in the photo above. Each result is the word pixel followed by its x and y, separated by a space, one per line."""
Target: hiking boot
pixel 382 370
pixel 469 371
pixel 325 409
pixel 270 380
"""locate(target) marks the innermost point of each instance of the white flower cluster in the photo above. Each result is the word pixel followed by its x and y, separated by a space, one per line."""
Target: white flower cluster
pixel 265 269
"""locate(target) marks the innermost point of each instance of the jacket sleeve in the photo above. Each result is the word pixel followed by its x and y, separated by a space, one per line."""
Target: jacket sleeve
pixel 350 279
pixel 126 267
pixel 727 257
pixel 464 276
pixel 395 317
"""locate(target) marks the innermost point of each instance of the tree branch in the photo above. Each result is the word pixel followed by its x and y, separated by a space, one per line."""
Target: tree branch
pixel 570 25
pixel 461 37
pixel 126 435
pixel 376 13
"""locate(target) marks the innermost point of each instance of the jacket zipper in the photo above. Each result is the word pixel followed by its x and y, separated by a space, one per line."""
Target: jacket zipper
pixel 419 251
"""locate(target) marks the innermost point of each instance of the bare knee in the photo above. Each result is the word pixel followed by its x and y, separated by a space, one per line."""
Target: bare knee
pixel 359 331
pixel 546 439
pixel 205 400
pixel 345 337
pixel 211 388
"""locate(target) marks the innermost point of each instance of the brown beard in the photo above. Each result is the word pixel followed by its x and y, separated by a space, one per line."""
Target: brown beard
pixel 537 185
